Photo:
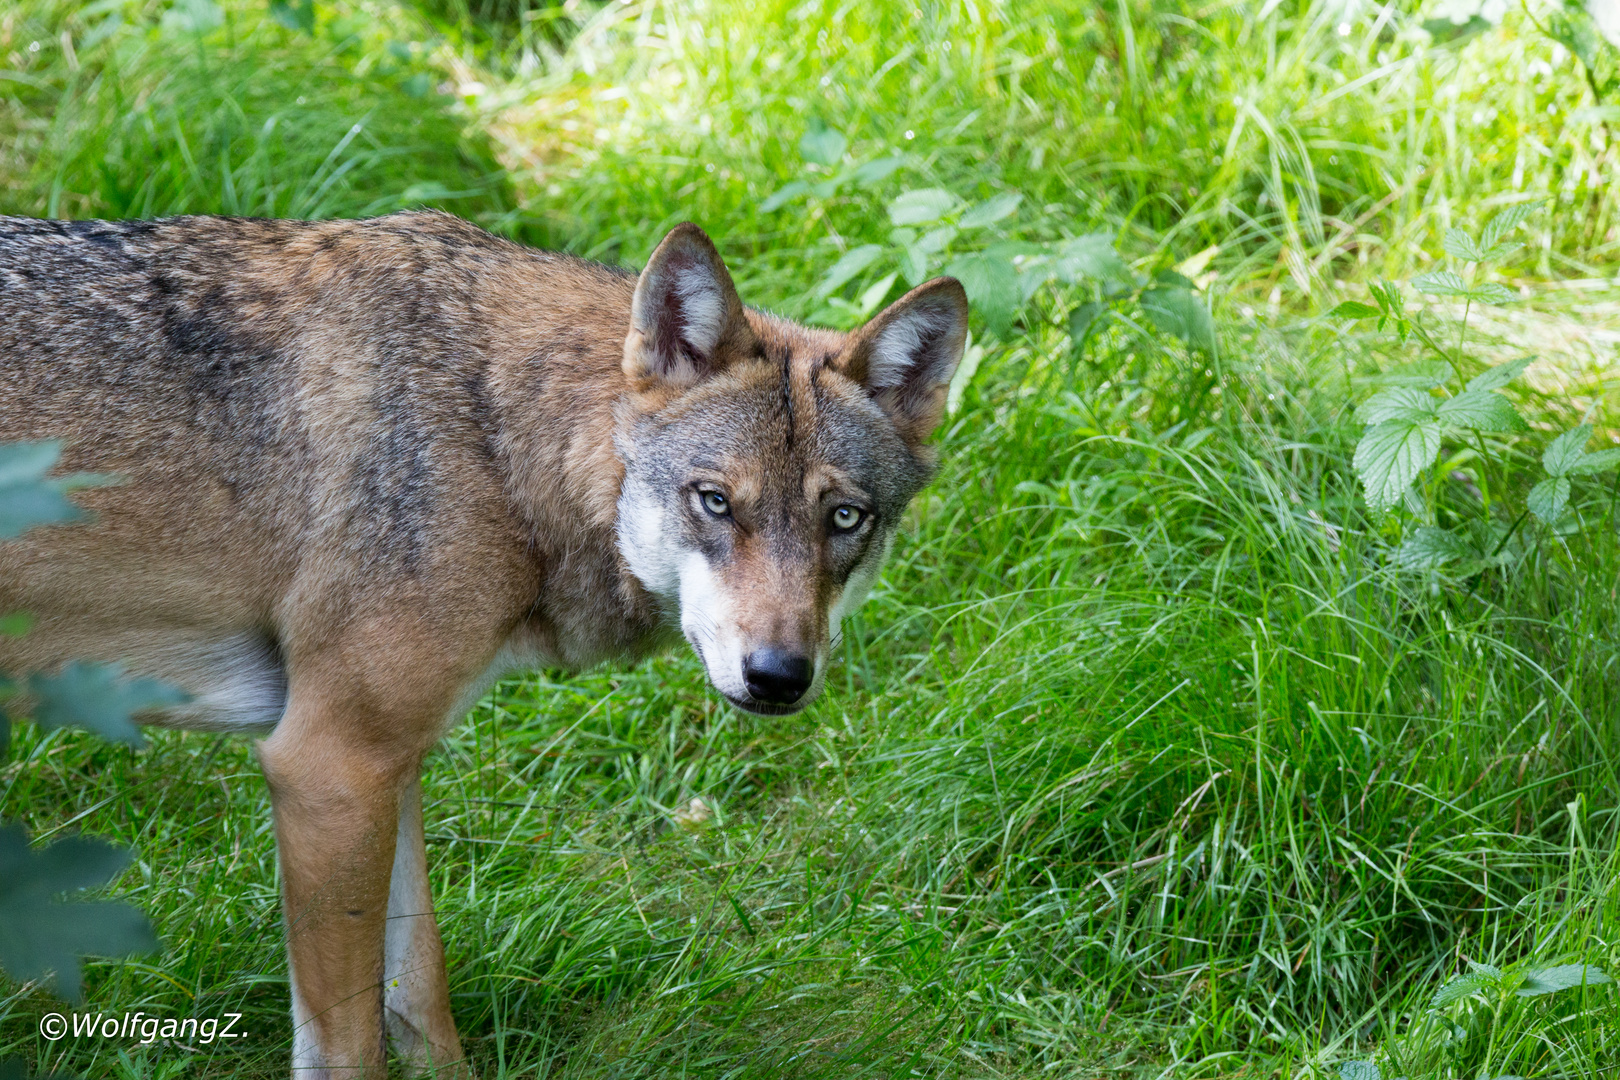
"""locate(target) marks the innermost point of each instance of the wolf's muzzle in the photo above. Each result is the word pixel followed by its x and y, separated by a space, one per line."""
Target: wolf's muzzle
pixel 776 676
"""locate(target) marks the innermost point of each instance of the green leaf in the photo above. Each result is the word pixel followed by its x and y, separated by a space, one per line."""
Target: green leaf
pixel 1550 980
pixel 1081 320
pixel 992 287
pixel 1481 410
pixel 1353 309
pixel 1391 454
pixel 1398 403
pixel 853 262
pixel 875 294
pixel 1090 256
pixel 27 498
pixel 297 15
pixel 1430 548
pixel 1548 498
pixel 97 698
pixel 1505 222
pixel 914 265
pixel 937 240
pixel 921 206
pixel 1440 283
pixel 874 172
pixel 1423 374
pixel 1492 293
pixel 1566 451
pixel 1359 1070
pixel 1459 245
pixel 1499 376
pixel 991 211
pixel 40 936
pixel 783 195
pixel 1180 312
pixel 1596 462
pixel 16 623
pixel 822 145
pixel 1461 987
pixel 192 17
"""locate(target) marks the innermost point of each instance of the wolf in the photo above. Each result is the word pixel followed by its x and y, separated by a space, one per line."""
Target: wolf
pixel 367 467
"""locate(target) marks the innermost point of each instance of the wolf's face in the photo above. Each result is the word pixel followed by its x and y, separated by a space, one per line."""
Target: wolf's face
pixel 767 464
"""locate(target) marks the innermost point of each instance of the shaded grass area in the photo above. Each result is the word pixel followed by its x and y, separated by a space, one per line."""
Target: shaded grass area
pixel 1142 757
pixel 162 110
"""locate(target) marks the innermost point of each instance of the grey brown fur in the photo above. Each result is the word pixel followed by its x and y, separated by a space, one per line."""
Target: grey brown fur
pixel 367 466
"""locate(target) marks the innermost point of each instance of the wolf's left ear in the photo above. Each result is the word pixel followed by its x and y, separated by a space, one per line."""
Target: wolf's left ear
pixel 906 355
pixel 685 317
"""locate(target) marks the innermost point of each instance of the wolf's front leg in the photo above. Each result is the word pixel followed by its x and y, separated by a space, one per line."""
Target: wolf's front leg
pixel 416 990
pixel 336 791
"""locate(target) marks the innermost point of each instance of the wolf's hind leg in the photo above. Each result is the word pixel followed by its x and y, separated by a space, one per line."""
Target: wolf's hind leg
pixel 416 990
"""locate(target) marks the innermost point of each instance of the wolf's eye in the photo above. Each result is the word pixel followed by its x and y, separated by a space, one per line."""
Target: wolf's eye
pixel 846 518
pixel 716 504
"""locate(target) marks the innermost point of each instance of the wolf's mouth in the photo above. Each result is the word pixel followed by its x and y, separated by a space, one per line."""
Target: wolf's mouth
pixel 760 708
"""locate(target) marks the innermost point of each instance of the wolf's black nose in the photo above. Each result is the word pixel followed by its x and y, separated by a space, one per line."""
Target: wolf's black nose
pixel 777 677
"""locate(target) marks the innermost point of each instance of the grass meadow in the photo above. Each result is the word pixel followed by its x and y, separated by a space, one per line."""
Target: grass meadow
pixel 1148 756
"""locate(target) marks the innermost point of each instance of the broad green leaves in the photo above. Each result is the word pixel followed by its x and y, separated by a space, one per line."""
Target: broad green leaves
pixel 921 207
pixel 1495 378
pixel 1177 310
pixel 992 210
pixel 784 195
pixel 1445 283
pixel 1566 457
pixel 97 698
pixel 1490 238
pixel 1091 256
pixel 935 231
pixel 826 172
pixel 27 497
pixel 41 937
pixel 1487 982
pixel 298 15
pixel 1406 422
pixel 822 145
pixel 1391 454
pixel 1480 410
pixel 1550 980
pixel 852 263
pixel 1428 548
pixel 1408 418
pixel 992 287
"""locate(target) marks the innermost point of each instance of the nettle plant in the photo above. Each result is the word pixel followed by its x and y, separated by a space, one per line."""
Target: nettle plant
pixel 934 231
pixel 1420 407
pixel 1464 1031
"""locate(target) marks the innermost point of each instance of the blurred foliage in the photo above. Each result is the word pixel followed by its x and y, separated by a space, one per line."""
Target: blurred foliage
pixel 42 938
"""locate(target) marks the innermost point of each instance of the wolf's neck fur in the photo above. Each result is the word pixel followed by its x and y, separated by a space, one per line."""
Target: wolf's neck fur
pixel 554 378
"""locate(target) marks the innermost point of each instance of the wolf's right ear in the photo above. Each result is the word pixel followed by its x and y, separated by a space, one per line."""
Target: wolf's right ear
pixel 685 317
pixel 906 355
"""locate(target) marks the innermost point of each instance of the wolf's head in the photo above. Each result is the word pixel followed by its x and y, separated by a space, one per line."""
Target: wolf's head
pixel 767 464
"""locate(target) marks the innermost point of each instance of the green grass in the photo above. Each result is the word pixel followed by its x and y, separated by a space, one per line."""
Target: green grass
pixel 1143 757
